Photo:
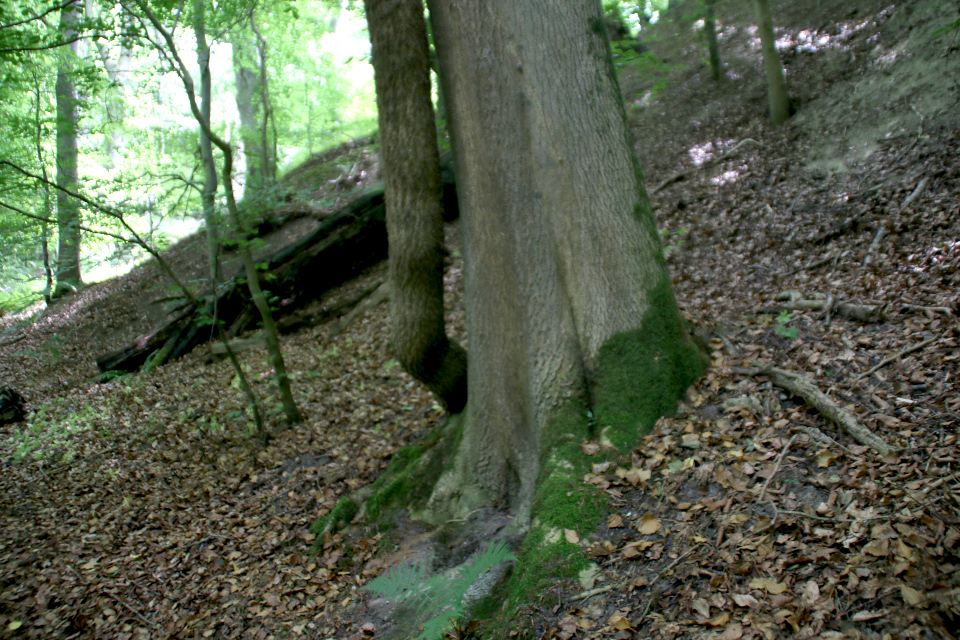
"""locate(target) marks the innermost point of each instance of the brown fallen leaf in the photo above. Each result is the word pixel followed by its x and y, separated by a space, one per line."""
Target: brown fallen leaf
pixel 614 521
pixel 648 524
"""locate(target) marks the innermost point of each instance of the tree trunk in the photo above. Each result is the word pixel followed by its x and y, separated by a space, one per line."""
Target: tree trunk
pixel 411 166
pixel 209 191
pixel 247 79
pixel 710 26
pixel 569 303
pixel 776 85
pixel 68 209
pixel 268 125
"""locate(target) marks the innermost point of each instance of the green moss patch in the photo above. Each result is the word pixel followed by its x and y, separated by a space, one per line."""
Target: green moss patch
pixel 642 373
pixel 408 481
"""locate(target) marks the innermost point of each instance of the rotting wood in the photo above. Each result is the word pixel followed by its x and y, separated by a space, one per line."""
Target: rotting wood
pixel 803 387
pixel 683 174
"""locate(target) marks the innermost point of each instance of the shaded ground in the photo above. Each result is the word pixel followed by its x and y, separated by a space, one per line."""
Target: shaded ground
pixel 146 510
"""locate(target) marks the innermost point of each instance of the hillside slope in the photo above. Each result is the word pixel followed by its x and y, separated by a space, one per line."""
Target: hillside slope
pixel 143 507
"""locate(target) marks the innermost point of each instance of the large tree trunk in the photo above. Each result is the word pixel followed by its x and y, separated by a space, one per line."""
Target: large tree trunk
pixel 68 209
pixel 776 85
pixel 411 167
pixel 567 293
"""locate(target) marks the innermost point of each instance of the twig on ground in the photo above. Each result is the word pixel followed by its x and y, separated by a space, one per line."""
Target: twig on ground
pixel 683 174
pixel 920 307
pixel 592 592
pixel 896 356
pixel 776 469
pixel 378 295
pixel 670 566
pixel 6 343
pixel 877 239
pixel 126 606
pixel 916 193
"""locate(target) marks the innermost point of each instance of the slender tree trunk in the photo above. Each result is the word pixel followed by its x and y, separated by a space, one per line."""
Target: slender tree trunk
pixel 208 195
pixel 47 204
pixel 776 85
pixel 256 293
pixel 68 209
pixel 411 165
pixel 247 78
pixel 710 26
pixel 269 124
pixel 569 302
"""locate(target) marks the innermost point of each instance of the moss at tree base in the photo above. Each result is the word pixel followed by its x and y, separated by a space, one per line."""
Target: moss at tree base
pixel 643 373
pixel 641 376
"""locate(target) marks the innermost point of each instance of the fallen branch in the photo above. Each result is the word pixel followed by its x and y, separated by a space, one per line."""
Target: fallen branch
pixel 802 386
pixel 916 193
pixel 683 174
pixel 877 239
pixel 920 307
pixel 380 294
pixel 794 301
pixel 899 354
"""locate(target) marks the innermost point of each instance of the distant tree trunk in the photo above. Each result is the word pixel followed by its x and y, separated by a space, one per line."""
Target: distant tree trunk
pixel 209 192
pixel 710 26
pixel 68 209
pixel 247 78
pixel 47 204
pixel 776 85
pixel 570 308
pixel 411 165
pixel 118 71
pixel 268 129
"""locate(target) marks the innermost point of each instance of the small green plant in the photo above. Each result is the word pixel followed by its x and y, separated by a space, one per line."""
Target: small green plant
pixel 678 237
pixel 45 436
pixel 440 598
pixel 790 333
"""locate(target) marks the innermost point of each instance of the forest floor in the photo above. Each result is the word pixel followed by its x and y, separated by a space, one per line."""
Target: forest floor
pixel 145 508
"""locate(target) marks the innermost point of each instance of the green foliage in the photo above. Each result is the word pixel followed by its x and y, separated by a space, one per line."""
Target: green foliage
pixel 48 437
pixel 790 333
pixel 440 598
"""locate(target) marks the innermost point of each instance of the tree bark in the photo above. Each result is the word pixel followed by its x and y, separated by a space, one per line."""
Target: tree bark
pixel 68 117
pixel 247 78
pixel 208 192
pixel 776 85
pixel 567 293
pixel 411 166
pixel 710 26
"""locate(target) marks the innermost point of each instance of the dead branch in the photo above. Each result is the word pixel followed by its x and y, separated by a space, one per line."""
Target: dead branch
pixel 803 387
pixel 877 239
pixel 896 356
pixel 916 193
pixel 794 301
pixel 683 174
